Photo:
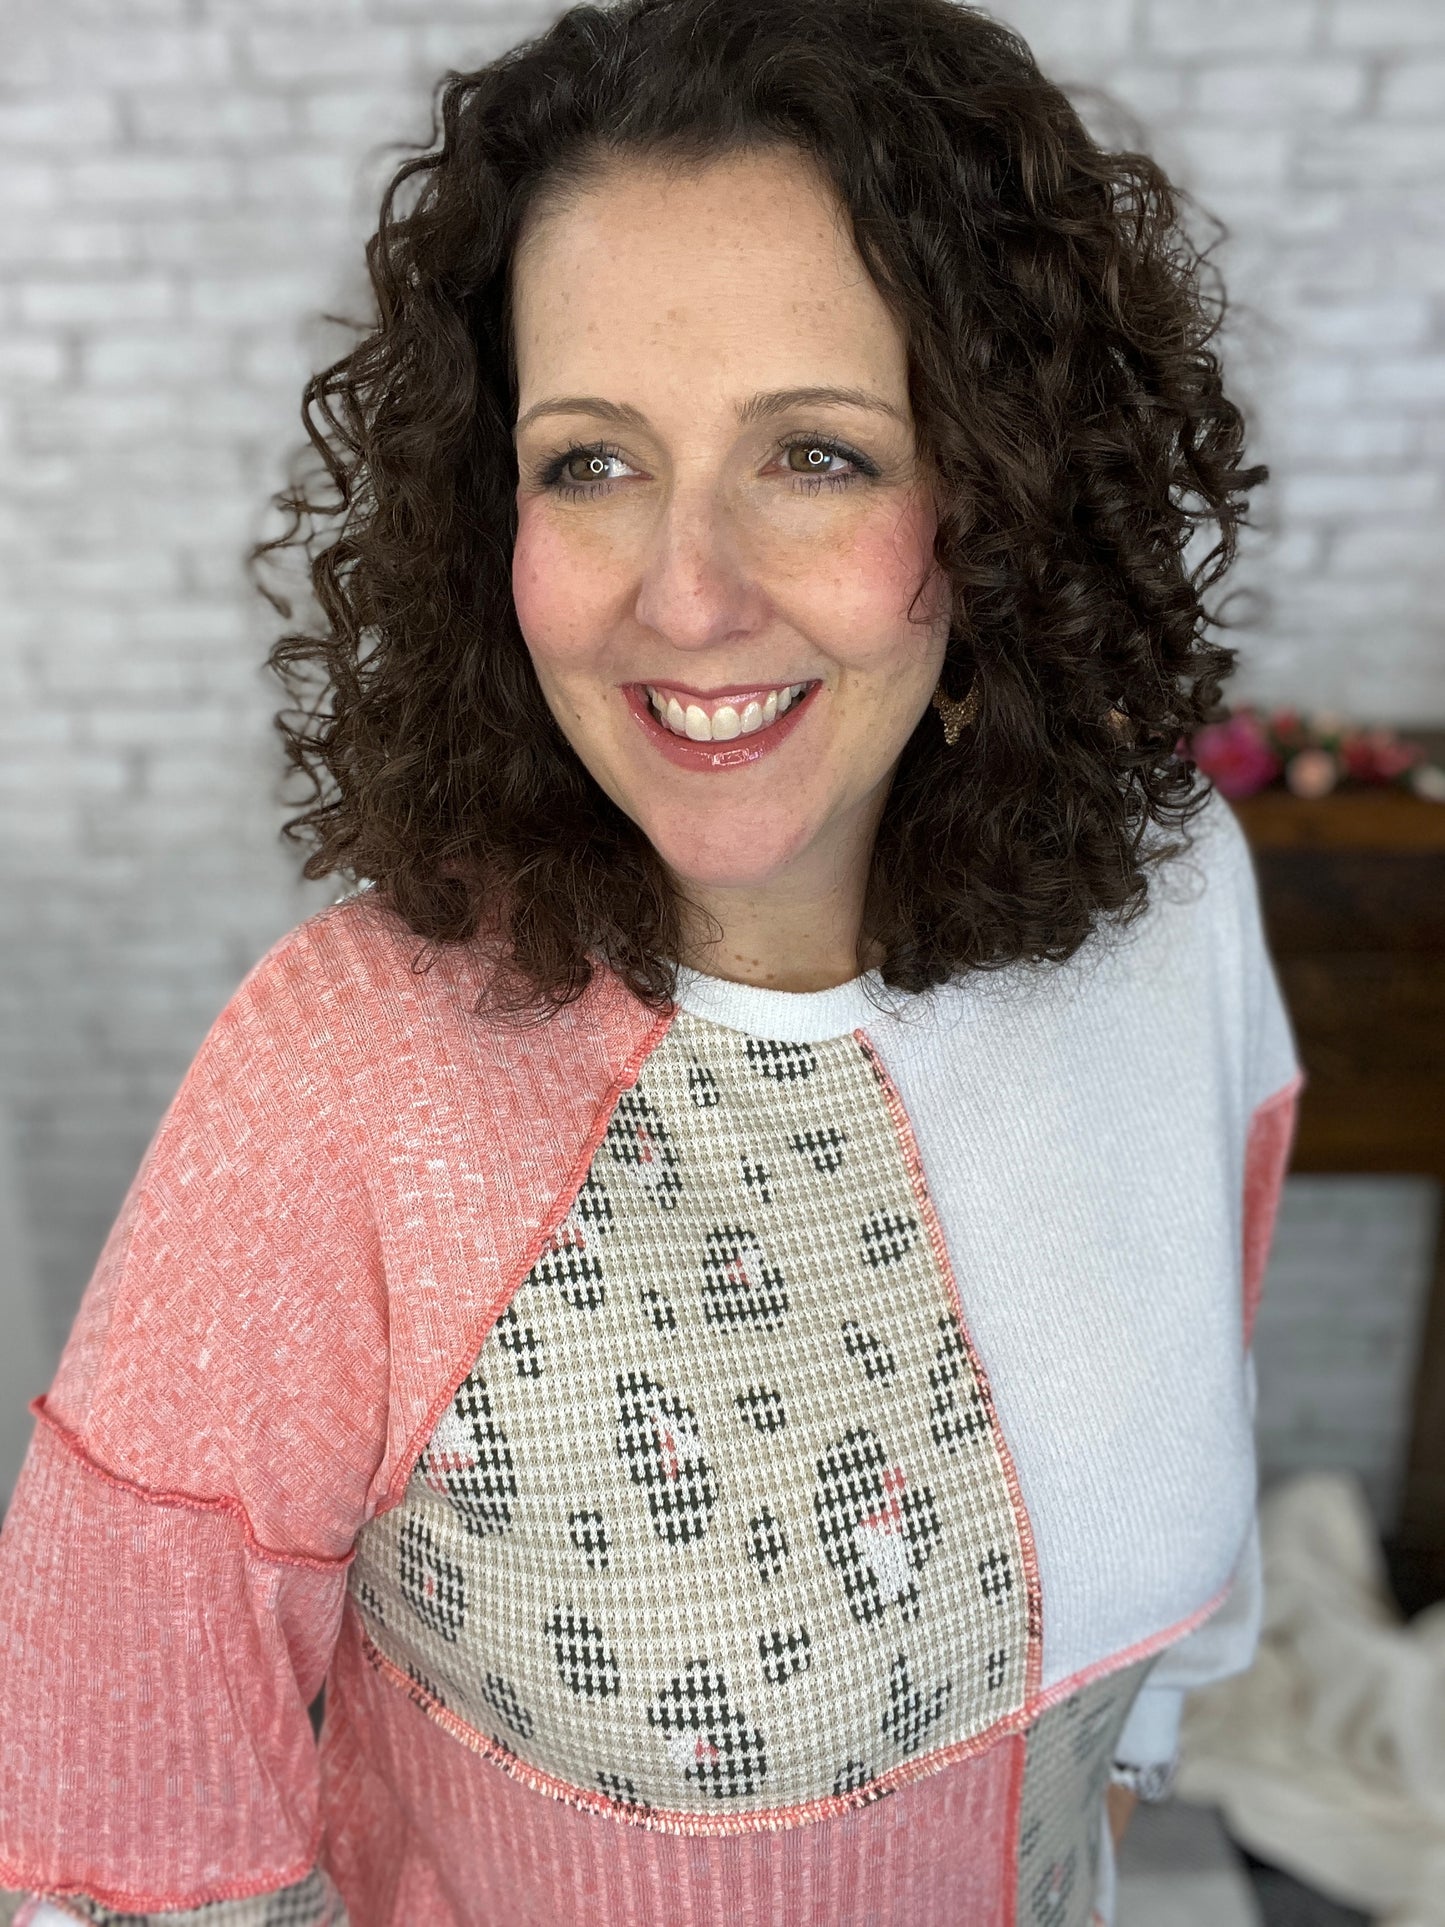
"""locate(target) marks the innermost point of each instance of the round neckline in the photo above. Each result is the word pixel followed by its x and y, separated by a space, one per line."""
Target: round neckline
pixel 791 1016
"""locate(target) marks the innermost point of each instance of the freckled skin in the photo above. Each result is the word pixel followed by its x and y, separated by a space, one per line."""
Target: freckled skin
pixel 706 558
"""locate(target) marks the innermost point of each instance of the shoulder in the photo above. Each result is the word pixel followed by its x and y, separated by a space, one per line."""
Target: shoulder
pixel 1199 920
pixel 1205 875
pixel 1201 943
pixel 355 984
pixel 350 961
pixel 338 1006
pixel 1183 988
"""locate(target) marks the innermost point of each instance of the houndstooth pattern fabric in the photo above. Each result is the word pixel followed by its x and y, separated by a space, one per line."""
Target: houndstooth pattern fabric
pixel 1066 1773
pixel 719 1522
pixel 312 1902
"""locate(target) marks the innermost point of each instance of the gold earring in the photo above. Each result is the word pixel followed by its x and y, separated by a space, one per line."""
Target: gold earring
pixel 956 715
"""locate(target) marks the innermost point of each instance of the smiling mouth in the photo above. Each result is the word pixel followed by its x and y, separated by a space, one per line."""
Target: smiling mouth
pixel 720 719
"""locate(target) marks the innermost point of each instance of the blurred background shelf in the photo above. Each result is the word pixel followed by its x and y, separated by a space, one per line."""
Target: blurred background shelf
pixel 1353 888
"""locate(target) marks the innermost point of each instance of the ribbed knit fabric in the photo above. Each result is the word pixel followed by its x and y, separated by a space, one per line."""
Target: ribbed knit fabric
pixel 355 1180
pixel 438 1834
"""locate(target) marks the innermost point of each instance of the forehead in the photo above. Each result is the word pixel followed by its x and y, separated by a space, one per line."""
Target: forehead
pixel 741 272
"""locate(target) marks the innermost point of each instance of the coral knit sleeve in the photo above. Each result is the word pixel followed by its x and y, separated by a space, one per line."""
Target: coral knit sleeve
pixel 173 1565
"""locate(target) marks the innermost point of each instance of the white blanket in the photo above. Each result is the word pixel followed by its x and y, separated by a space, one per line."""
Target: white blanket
pixel 1328 1756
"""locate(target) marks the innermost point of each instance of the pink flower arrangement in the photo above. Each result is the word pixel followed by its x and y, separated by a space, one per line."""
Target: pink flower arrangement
pixel 1252 749
pixel 1237 755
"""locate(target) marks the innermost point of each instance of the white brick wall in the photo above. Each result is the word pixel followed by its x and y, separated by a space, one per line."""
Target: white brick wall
pixel 1339 1326
pixel 1316 130
pixel 186 185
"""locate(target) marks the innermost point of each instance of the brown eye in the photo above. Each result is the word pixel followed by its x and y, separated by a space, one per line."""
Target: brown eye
pixel 813 458
pixel 582 467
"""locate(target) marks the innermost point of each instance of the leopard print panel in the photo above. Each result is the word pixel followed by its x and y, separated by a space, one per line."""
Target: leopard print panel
pixel 720 1523
pixel 1066 1774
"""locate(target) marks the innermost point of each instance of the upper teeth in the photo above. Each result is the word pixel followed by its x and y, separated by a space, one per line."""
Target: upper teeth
pixel 720 725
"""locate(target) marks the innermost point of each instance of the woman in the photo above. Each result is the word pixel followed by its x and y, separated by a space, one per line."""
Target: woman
pixel 755 1319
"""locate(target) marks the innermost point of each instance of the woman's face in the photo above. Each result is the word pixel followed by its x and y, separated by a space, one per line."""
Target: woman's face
pixel 721 518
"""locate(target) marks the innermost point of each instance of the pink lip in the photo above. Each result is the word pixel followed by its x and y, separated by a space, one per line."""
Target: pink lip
pixel 742 750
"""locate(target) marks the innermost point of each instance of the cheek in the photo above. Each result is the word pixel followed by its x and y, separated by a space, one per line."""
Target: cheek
pixel 868 583
pixel 555 590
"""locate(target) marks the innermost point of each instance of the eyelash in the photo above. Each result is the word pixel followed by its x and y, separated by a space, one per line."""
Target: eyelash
pixel 550 475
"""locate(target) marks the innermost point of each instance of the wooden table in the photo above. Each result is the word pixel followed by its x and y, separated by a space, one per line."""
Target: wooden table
pixel 1353 888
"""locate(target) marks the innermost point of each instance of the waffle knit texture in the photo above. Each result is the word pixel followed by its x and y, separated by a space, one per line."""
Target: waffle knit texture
pixel 354 1182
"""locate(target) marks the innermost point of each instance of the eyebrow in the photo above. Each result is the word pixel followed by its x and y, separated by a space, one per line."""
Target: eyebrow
pixel 760 407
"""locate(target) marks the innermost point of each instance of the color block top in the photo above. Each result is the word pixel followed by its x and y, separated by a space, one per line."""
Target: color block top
pixel 762 1459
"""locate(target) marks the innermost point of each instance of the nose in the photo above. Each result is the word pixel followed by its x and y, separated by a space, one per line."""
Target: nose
pixel 697 588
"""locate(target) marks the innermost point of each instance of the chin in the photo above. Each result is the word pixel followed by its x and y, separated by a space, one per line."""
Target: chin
pixel 728 856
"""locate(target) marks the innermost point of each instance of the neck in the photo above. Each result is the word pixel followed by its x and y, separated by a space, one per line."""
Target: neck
pixel 797 932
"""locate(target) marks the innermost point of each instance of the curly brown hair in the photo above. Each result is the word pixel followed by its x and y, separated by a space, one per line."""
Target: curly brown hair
pixel 1068 404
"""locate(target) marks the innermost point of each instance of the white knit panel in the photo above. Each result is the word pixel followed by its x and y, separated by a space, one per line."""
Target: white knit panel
pixel 1082 1130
